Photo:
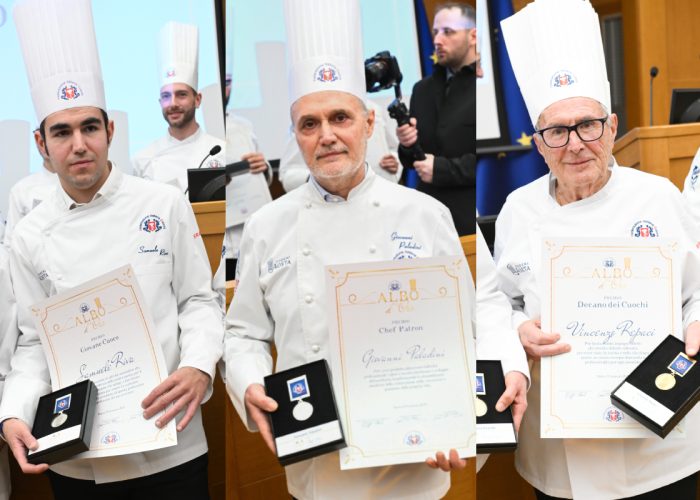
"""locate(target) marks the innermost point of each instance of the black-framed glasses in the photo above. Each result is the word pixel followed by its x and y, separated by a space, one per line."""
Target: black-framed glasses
pixel 587 131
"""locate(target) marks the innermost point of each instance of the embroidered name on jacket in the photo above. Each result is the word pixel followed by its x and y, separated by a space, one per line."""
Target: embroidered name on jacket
pixel 406 246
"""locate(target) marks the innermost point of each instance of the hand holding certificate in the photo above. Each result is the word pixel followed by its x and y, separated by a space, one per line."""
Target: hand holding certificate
pixel 613 301
pixel 402 359
pixel 101 331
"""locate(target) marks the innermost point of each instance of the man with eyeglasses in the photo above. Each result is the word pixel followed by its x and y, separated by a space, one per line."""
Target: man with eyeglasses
pixel 443 123
pixel 556 52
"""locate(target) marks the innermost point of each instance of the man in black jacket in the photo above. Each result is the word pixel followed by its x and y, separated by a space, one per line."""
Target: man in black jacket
pixel 443 123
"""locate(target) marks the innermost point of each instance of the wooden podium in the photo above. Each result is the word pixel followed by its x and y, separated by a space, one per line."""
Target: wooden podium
pixel 665 150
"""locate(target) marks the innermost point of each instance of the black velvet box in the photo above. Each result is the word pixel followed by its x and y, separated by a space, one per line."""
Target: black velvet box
pixel 70 434
pixel 494 430
pixel 306 422
pixel 657 409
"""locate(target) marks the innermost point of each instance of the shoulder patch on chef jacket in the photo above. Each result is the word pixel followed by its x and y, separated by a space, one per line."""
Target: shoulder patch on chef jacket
pixel 644 229
pixel 275 264
pixel 151 224
pixel 214 163
pixel 519 268
pixel 694 176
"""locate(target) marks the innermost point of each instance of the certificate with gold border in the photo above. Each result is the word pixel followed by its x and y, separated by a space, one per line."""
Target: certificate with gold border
pixel 613 301
pixel 102 331
pixel 402 357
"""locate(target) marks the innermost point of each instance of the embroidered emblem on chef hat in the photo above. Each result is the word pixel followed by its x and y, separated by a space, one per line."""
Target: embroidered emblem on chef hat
pixel 170 72
pixel 69 91
pixel 614 415
pixel 327 73
pixel 152 224
pixel 644 229
pixel 562 78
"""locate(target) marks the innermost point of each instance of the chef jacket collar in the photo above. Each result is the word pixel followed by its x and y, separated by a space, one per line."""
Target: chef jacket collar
pixel 553 183
pixel 186 140
pixel 108 189
pixel 332 198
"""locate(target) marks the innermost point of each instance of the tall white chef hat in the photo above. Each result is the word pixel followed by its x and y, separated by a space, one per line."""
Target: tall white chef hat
pixel 59 48
pixel 178 54
pixel 556 52
pixel 324 47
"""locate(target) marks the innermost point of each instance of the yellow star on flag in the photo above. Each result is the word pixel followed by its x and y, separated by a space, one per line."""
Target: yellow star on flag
pixel 524 140
pixel 433 56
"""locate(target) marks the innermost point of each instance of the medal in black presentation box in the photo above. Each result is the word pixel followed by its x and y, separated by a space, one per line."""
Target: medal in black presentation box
pixel 306 422
pixel 494 430
pixel 63 423
pixel 662 389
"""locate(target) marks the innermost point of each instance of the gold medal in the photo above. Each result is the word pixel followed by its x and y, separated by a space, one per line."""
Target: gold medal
pixel 480 407
pixel 665 381
pixel 680 365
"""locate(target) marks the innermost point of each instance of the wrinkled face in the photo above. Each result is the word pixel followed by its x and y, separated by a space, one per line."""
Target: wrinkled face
pixel 332 129
pixel 451 37
pixel 179 103
pixel 77 145
pixel 579 163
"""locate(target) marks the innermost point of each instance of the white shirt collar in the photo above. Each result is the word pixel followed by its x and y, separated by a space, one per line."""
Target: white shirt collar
pixel 108 188
pixel 332 198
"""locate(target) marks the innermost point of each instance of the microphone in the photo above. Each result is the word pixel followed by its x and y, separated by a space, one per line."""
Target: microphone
pixel 652 74
pixel 213 151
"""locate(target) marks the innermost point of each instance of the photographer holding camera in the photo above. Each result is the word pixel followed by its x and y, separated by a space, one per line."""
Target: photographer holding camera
pixel 443 123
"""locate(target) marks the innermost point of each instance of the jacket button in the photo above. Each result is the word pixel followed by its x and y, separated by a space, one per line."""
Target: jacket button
pixel 308 204
pixel 375 203
pixel 306 251
pixel 315 348
pixel 309 299
pixel 372 249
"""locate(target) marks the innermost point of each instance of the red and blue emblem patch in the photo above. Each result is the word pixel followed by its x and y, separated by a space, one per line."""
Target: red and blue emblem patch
pixel 562 78
pixel 69 91
pixel 151 224
pixel 644 229
pixel 614 415
pixel 326 73
pixel 170 72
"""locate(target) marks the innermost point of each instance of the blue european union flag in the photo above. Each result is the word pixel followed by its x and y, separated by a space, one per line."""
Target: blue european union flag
pixel 498 175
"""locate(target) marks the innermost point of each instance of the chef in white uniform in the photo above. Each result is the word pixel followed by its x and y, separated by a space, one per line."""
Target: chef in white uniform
pixel 185 145
pixel 556 51
pixel 26 194
pixel 381 154
pixel 691 187
pixel 97 220
pixel 8 340
pixel 346 213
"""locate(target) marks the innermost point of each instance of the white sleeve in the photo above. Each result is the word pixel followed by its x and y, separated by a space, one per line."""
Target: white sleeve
pixel 495 337
pixel 14 214
pixel 8 318
pixel 691 188
pixel 249 327
pixel 200 316
pixel 293 170
pixel 28 378
pixel 504 228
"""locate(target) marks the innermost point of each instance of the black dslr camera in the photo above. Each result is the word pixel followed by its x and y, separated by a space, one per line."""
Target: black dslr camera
pixel 382 72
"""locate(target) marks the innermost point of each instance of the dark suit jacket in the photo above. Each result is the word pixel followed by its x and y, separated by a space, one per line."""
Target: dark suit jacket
pixel 447 129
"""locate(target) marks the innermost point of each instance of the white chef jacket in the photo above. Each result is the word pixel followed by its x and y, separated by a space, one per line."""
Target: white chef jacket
pixel 281 298
pixel 27 194
pixel 55 248
pixel 8 339
pixel 167 159
pixel 691 187
pixel 294 172
pixel 595 468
